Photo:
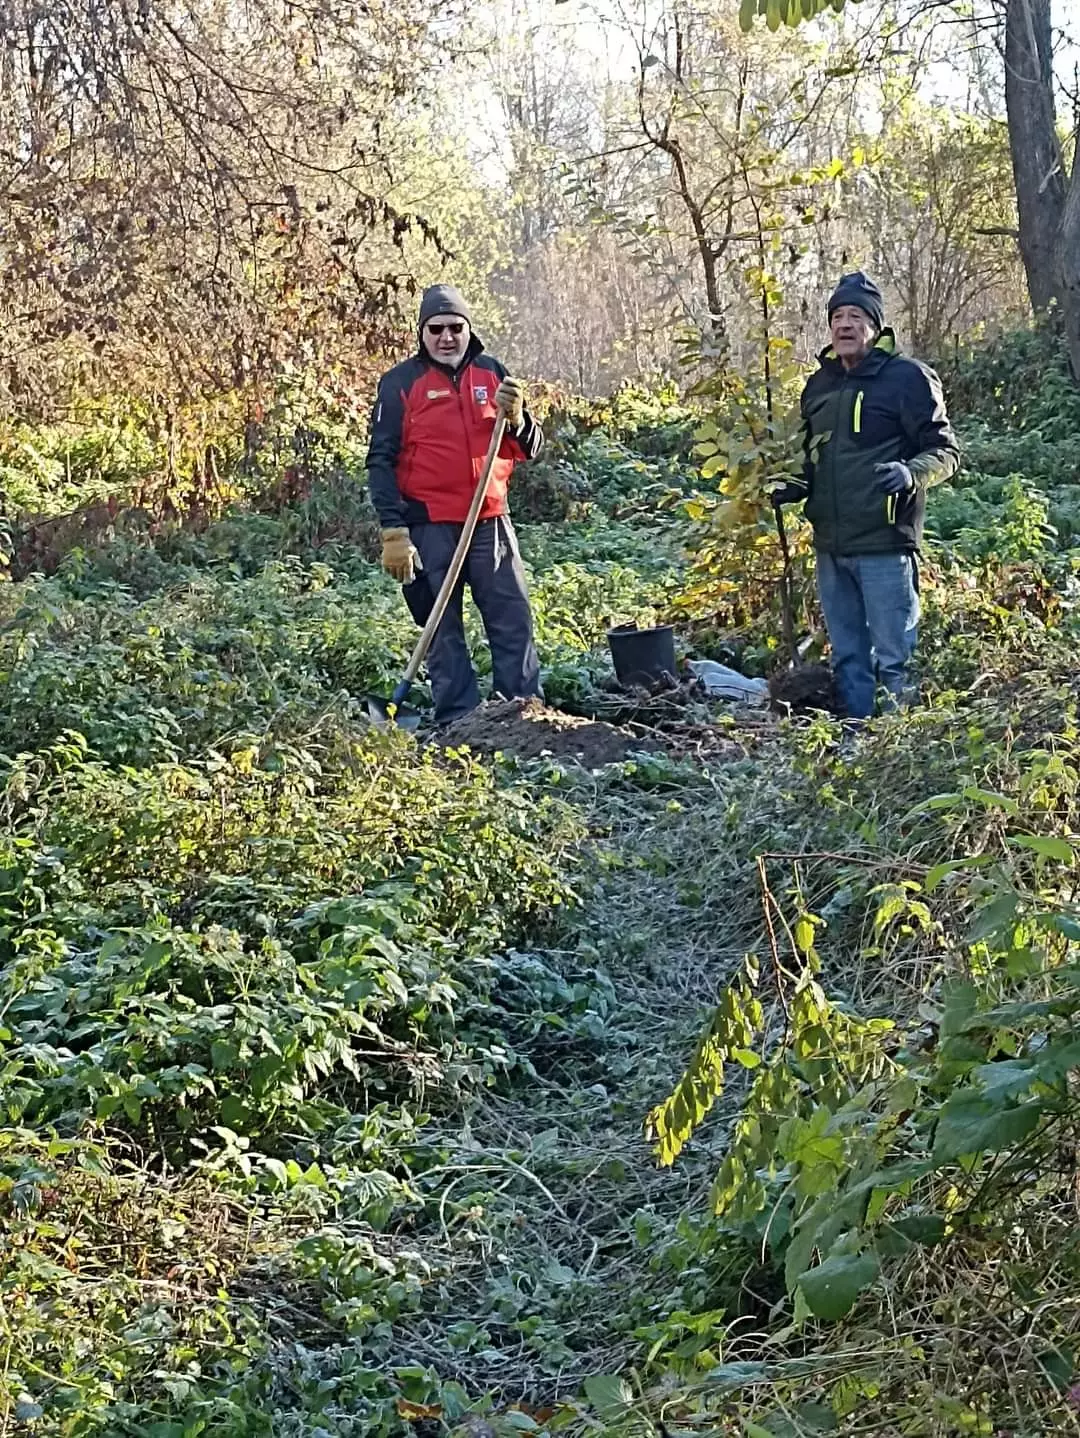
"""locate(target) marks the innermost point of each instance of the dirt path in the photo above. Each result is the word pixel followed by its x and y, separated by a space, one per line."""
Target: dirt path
pixel 543 1225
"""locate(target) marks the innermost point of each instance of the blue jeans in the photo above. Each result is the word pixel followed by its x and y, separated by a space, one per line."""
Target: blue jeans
pixel 871 608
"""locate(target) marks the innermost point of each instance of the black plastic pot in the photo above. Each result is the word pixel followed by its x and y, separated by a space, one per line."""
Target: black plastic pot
pixel 641 656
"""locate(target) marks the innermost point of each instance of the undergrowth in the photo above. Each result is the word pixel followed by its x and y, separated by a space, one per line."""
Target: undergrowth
pixel 325 1056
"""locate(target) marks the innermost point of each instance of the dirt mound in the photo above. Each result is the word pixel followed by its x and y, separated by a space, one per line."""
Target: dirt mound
pixel 528 728
pixel 804 688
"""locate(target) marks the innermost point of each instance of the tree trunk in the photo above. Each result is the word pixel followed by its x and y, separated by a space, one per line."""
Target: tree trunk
pixel 1069 269
pixel 1036 151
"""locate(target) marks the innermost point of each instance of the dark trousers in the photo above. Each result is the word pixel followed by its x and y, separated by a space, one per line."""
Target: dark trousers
pixel 494 574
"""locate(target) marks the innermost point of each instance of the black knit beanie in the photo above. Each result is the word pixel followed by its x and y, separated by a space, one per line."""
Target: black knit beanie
pixel 858 289
pixel 443 300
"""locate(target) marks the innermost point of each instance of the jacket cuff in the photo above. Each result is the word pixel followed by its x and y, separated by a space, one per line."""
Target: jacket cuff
pixel 932 467
pixel 528 437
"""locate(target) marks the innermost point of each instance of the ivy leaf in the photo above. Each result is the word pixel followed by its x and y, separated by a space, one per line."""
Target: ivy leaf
pixel 970 1124
pixel 959 1008
pixel 1058 1365
pixel 1005 1080
pixel 234 1111
pixel 927 1229
pixel 222 1055
pixel 833 1286
pixel 1058 1059
pixel 608 1394
pixel 994 918
pixel 804 1421
pixel 899 1237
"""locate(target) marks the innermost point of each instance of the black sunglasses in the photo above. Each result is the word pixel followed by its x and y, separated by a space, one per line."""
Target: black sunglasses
pixel 454 326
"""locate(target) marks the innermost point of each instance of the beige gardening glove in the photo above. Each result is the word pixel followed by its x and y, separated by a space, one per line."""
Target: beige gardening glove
pixel 510 397
pixel 400 558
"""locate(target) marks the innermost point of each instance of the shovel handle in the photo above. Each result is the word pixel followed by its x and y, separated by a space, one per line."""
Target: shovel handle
pixel 457 563
pixel 787 615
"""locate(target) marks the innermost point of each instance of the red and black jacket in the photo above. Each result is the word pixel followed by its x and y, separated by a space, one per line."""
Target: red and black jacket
pixel 430 430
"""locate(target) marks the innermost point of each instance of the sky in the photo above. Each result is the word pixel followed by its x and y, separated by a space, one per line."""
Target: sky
pixel 610 46
pixel 604 40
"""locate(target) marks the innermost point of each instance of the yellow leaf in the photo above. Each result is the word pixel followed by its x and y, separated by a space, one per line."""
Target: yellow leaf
pixel 413 1412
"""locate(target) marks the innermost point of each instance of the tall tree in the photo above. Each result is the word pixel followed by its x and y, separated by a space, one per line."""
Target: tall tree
pixel 1047 193
pixel 1038 164
pixel 192 194
pixel 934 200
pixel 1048 197
pixel 723 161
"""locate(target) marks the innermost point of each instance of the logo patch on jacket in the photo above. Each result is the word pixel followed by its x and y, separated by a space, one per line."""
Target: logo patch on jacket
pixel 480 394
pixel 438 394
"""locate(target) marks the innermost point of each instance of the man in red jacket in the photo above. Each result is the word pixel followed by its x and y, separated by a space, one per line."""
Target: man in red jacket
pixel 433 420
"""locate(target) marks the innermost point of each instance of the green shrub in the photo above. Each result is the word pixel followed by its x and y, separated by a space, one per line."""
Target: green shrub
pixel 250 941
pixel 1017 384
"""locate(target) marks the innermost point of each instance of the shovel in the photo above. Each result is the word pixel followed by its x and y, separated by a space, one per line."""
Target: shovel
pixel 393 710
pixel 787 607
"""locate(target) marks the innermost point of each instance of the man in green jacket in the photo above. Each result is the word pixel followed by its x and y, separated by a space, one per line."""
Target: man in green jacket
pixel 877 437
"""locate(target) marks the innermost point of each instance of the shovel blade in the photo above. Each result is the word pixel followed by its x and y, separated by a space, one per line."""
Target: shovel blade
pixel 385 714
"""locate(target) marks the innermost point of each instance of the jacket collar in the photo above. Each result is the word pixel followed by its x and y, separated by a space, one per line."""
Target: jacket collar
pixel 883 350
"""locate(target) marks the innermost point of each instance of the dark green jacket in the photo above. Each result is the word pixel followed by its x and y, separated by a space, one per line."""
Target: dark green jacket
pixel 889 407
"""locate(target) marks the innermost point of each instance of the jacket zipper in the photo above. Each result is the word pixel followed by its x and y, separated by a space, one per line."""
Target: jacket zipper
pixel 891 500
pixel 832 465
pixel 457 379
pixel 834 485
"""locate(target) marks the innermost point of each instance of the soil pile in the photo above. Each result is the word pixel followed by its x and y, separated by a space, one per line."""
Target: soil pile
pixel 805 688
pixel 529 729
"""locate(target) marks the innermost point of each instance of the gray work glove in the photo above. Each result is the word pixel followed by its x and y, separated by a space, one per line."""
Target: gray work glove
pixel 894 478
